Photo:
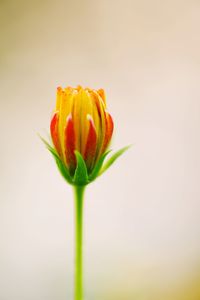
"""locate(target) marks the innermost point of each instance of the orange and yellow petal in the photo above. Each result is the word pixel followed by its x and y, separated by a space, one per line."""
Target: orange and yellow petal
pixel 91 144
pixel 102 94
pixel 54 131
pixel 66 104
pixel 69 143
pixel 108 132
pixel 86 109
pixel 101 113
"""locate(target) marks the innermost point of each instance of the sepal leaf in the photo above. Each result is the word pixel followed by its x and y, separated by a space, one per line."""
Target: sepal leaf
pixel 62 168
pixel 98 166
pixel 81 174
pixel 113 158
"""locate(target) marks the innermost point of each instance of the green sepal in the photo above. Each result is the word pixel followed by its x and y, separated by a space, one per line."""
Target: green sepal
pixel 98 166
pixel 49 147
pixel 62 168
pixel 112 159
pixel 81 174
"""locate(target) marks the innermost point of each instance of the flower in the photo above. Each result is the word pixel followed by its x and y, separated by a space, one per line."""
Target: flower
pixel 80 123
pixel 81 129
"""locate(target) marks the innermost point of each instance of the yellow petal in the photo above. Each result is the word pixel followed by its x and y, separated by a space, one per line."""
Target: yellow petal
pixel 86 108
pixel 102 127
pixel 102 94
pixel 66 104
pixel 58 98
pixel 76 115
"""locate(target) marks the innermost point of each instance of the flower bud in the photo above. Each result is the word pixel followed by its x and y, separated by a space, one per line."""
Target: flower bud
pixel 81 123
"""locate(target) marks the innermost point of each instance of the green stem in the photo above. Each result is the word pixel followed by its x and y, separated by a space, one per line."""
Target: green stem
pixel 78 288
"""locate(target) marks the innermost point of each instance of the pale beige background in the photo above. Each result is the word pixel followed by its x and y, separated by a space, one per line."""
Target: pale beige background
pixel 142 225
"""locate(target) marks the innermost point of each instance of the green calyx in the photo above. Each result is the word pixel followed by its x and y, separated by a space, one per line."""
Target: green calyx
pixel 81 177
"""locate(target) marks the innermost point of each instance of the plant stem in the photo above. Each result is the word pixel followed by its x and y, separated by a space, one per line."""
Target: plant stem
pixel 78 287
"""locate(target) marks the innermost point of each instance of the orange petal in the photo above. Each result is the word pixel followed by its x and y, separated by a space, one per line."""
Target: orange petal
pixel 102 95
pixel 91 143
pixel 108 131
pixel 100 106
pixel 70 144
pixel 54 132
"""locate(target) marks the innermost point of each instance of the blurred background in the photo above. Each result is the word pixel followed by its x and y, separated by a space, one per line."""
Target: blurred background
pixel 142 224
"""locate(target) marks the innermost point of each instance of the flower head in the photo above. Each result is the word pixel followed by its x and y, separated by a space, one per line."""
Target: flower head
pixel 81 130
pixel 81 123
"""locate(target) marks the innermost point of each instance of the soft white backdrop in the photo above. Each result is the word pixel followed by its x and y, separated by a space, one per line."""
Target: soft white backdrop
pixel 142 225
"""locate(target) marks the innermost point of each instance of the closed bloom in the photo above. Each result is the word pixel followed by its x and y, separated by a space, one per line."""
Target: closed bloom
pixel 81 123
